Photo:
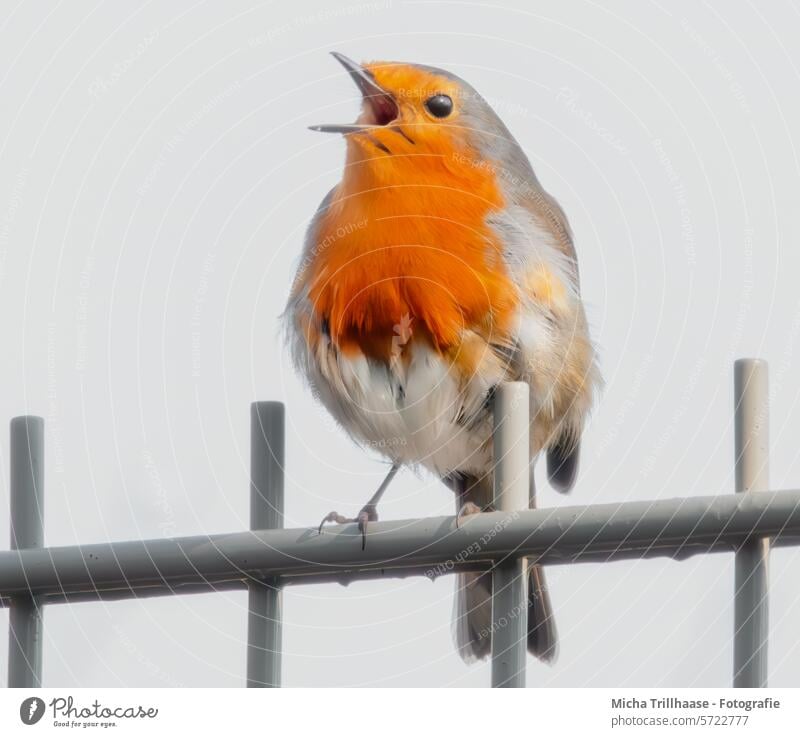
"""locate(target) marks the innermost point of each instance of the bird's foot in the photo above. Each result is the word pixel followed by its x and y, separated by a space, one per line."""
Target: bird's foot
pixel 467 510
pixel 334 517
pixel 368 513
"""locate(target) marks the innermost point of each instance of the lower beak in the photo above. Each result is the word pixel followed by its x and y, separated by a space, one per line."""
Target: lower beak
pixel 379 104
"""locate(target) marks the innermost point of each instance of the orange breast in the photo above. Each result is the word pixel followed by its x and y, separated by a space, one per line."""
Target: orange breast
pixel 417 254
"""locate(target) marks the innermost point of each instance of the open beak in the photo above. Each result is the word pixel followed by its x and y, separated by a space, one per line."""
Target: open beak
pixel 379 105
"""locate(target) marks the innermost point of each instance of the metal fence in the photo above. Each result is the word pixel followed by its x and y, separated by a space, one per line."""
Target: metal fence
pixel 268 558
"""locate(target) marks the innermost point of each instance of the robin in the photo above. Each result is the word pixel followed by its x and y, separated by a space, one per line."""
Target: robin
pixel 437 268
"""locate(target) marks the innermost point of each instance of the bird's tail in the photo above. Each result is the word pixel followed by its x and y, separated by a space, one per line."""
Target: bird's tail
pixel 472 618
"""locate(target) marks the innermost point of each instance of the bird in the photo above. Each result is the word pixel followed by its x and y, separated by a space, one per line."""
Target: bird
pixel 437 268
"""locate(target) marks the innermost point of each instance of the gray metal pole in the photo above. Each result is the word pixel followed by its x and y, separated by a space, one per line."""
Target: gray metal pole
pixel 511 439
pixel 676 528
pixel 267 459
pixel 751 610
pixel 27 531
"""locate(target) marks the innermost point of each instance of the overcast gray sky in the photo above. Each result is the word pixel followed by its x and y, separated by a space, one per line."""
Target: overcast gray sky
pixel 156 178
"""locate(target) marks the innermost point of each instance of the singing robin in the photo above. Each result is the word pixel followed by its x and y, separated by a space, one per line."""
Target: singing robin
pixel 435 269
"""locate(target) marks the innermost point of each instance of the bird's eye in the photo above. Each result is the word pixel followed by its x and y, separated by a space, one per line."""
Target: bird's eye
pixel 440 106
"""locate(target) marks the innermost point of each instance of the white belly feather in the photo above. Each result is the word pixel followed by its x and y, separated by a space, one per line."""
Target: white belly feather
pixel 421 411
pixel 410 415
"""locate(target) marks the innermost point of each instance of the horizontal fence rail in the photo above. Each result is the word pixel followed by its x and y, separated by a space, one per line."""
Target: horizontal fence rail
pixel 676 528
pixel 268 558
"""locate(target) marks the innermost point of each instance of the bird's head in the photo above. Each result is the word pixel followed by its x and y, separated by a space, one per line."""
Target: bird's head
pixel 410 110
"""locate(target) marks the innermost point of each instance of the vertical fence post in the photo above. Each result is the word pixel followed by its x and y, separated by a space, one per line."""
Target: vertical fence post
pixel 751 611
pixel 509 577
pixel 266 511
pixel 27 531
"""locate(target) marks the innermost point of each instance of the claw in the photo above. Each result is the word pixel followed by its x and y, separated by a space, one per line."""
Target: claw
pixel 365 516
pixel 333 517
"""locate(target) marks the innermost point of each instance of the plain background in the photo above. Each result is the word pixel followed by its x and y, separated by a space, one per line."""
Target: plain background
pixel 156 177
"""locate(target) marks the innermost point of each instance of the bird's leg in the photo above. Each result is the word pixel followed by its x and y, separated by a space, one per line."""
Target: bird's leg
pixel 368 513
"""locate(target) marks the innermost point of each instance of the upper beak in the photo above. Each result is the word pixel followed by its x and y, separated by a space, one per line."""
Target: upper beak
pixel 381 104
